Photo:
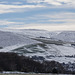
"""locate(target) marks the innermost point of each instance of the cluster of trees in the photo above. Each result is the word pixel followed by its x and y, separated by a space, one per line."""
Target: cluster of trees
pixel 69 67
pixel 14 62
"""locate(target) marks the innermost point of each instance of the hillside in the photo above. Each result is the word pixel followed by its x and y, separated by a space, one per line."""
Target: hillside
pixel 10 40
pixel 68 36
pixel 40 44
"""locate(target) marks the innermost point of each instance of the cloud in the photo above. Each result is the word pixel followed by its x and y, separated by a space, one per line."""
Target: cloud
pixel 16 8
pixel 34 1
pixel 2 6
pixel 67 1
pixel 53 27
pixel 52 18
pixel 16 3
pixel 6 22
pixel 3 2
pixel 53 2
pixel 41 14
pixel 67 17
pixel 44 1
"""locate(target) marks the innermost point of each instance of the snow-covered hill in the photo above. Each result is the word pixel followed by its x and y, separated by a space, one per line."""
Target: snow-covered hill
pixel 68 36
pixel 10 40
pixel 60 53
pixel 35 33
pixel 58 46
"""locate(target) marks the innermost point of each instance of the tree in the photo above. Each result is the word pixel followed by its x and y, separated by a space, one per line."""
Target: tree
pixel 54 70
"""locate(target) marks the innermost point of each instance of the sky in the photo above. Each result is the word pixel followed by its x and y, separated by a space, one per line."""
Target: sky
pixel 52 15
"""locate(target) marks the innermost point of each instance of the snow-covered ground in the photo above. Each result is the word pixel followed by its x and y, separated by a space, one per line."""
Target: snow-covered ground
pixel 12 72
pixel 50 52
pixel 24 42
pixel 10 40
pixel 68 36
